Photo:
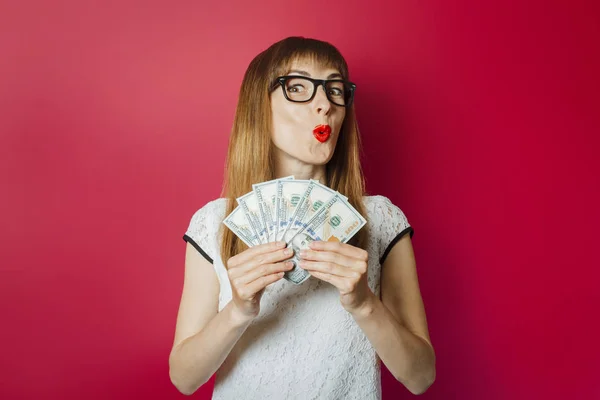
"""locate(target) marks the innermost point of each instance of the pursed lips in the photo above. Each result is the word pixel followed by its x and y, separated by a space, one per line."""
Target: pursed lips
pixel 322 133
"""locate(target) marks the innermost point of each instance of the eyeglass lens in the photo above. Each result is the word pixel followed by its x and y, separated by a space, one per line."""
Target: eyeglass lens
pixel 301 89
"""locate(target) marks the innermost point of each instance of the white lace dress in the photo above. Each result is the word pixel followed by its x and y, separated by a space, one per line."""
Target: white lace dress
pixel 303 345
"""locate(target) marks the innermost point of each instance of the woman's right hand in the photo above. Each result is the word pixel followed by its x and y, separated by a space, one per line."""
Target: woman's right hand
pixel 254 269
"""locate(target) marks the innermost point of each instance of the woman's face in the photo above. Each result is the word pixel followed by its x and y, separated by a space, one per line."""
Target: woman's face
pixel 294 124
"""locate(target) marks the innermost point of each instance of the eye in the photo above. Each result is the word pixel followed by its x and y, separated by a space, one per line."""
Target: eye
pixel 336 92
pixel 296 88
pixel 336 89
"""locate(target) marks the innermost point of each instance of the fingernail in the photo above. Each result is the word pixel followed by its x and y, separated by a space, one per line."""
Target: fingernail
pixel 303 253
pixel 288 251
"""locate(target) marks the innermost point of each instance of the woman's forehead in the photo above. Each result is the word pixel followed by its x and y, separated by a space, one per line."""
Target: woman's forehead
pixel 311 67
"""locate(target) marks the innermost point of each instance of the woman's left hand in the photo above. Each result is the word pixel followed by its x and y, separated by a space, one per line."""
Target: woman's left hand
pixel 342 265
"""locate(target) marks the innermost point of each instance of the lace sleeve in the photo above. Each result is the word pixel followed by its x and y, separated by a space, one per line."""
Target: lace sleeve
pixel 393 227
pixel 203 229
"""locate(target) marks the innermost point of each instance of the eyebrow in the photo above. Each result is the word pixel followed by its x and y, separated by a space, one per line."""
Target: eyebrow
pixel 330 76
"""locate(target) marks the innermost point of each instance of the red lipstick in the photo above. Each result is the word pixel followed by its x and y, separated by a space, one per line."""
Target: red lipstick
pixel 322 133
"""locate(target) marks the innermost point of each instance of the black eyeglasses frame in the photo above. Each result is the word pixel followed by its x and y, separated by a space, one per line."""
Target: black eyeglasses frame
pixel 281 80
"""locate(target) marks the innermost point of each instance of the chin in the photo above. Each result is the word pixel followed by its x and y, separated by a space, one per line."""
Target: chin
pixel 318 160
pixel 319 157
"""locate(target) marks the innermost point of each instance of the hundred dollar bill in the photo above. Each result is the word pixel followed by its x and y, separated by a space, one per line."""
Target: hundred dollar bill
pixel 238 223
pixel 316 198
pixel 249 204
pixel 279 209
pixel 290 193
pixel 266 194
pixel 337 220
pixel 297 275
pixel 301 207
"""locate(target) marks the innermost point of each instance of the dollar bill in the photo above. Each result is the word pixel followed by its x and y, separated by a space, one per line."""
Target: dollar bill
pixel 238 223
pixel 341 222
pixel 290 193
pixel 297 275
pixel 266 195
pixel 280 210
pixel 337 220
pixel 314 196
pixel 315 199
pixel 249 204
pixel 301 205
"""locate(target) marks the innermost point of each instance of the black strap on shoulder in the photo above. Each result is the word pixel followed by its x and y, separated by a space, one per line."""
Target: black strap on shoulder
pixel 197 247
pixel 394 241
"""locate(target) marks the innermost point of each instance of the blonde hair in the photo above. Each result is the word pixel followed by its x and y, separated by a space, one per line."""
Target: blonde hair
pixel 250 155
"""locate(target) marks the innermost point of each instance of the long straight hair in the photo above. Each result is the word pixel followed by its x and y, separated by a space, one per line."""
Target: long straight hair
pixel 250 152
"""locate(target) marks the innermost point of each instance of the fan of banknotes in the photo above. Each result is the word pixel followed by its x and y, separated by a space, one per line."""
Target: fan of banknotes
pixel 297 212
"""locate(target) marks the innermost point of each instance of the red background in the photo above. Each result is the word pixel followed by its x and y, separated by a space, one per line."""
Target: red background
pixel 480 121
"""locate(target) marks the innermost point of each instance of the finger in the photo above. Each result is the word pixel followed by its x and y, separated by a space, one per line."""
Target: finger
pixel 340 283
pixel 332 257
pixel 249 254
pixel 329 268
pixel 263 270
pixel 263 282
pixel 342 248
pixel 261 259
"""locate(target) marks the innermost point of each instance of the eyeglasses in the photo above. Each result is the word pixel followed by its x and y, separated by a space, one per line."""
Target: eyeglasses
pixel 300 89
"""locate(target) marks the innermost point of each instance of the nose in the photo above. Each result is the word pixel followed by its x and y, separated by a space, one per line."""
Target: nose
pixel 321 102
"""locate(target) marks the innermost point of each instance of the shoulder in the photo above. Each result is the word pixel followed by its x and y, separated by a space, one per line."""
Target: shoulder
pixel 381 207
pixel 204 226
pixel 387 223
pixel 211 210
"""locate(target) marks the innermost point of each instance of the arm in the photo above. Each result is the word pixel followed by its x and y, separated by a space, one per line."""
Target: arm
pixel 396 325
pixel 203 336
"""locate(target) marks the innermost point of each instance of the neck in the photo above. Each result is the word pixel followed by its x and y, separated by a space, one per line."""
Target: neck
pixel 301 171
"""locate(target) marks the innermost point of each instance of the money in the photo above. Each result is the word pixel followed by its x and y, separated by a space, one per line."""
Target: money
pixel 296 211
pixel 301 205
pixel 291 193
pixel 249 204
pixel 266 194
pixel 238 223
pixel 336 221
pixel 317 197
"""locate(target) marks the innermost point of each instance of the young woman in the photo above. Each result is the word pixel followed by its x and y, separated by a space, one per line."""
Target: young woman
pixel 265 337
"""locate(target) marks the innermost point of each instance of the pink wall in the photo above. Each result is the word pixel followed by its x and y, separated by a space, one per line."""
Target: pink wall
pixel 480 120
